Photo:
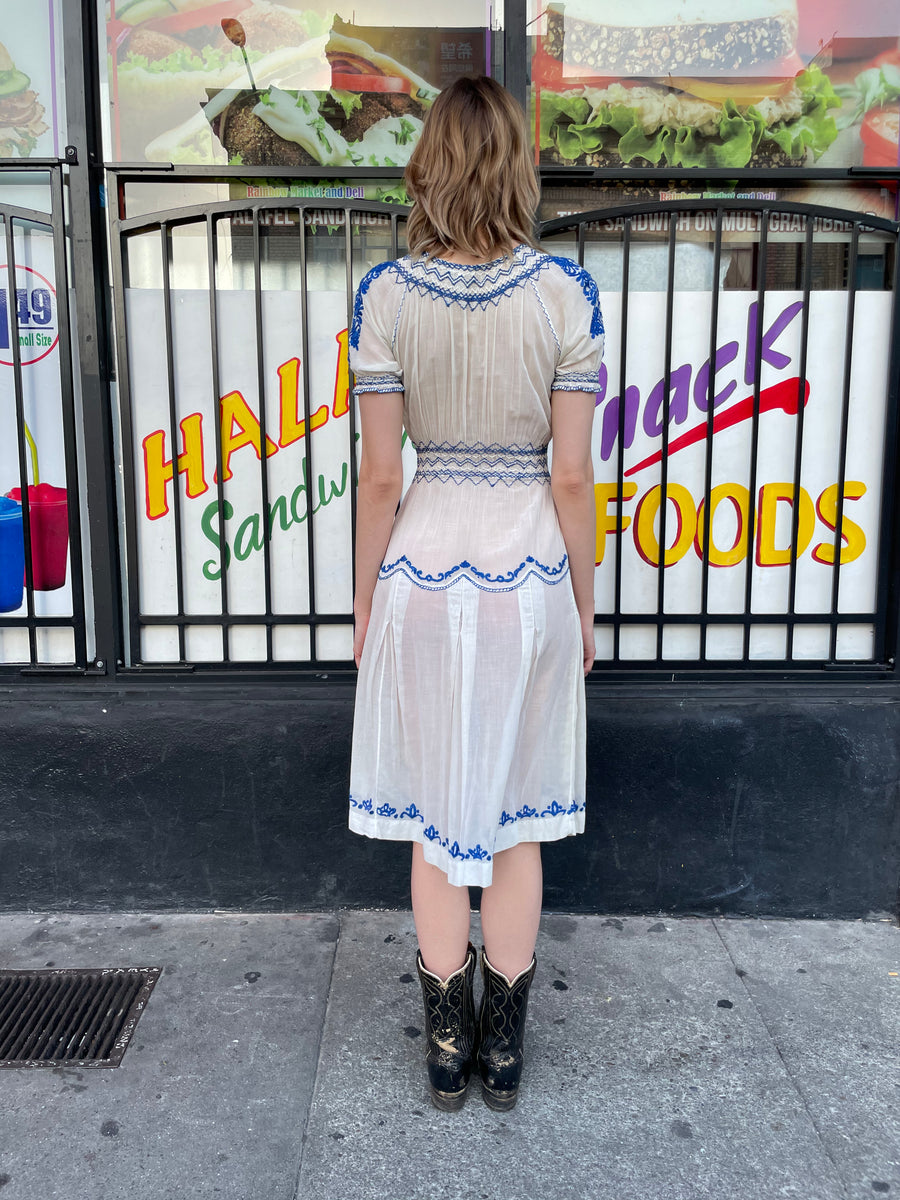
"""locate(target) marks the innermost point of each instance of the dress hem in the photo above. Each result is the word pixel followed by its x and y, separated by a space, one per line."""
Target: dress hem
pixel 477 871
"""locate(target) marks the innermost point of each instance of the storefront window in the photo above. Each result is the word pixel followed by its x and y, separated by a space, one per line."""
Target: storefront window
pixel 284 85
pixel 783 84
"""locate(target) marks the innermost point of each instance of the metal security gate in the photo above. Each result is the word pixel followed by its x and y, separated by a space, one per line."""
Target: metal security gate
pixel 238 435
pixel 836 267
pixel 233 272
pixel 42 586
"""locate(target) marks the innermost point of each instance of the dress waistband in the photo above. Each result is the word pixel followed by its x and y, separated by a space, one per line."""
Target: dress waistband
pixel 480 463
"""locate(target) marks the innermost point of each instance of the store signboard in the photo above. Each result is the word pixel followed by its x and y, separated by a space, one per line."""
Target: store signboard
pixel 309 468
pixel 771 83
pixel 249 83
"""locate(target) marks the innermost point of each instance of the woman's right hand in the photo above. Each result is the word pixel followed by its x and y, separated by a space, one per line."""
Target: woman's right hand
pixel 587 641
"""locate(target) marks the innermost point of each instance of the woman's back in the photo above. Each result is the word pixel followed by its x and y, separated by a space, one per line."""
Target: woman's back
pixel 470 697
pixel 479 348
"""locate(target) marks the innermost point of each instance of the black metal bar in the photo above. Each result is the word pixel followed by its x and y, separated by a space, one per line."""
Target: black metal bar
pixel 762 265
pixel 67 397
pixel 664 464
pixel 549 173
pixel 798 440
pixel 748 177
pixel 710 418
pixel 515 49
pixel 348 251
pixel 165 238
pixel 120 282
pixel 887 606
pixel 212 258
pixel 263 436
pixel 620 448
pixel 842 437
pixel 12 308
pixel 307 456
pixel 89 284
pixel 253 619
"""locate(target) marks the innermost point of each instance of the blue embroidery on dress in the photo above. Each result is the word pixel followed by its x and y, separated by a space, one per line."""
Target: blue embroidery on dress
pixel 554 809
pixel 475 285
pixel 445 462
pixel 514 578
pixel 576 381
pixel 377 383
pixel 588 286
pixel 439 278
pixel 367 281
pixel 476 853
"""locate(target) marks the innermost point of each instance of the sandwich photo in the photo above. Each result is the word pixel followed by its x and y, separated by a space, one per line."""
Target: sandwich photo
pixel 21 116
pixel 669 83
pixel 169 54
pixel 370 116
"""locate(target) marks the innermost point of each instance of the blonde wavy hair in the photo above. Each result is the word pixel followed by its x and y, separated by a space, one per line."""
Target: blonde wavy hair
pixel 471 178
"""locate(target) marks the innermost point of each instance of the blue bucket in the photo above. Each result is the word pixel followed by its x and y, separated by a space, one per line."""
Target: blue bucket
pixel 12 556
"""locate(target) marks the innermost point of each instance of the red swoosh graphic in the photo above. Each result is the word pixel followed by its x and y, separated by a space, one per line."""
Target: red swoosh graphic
pixel 784 396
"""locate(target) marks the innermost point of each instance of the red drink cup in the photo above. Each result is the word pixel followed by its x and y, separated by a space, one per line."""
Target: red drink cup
pixel 49 515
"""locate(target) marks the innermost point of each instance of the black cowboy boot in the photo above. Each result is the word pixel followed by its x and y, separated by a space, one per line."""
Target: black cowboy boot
pixel 450 1027
pixel 501 1031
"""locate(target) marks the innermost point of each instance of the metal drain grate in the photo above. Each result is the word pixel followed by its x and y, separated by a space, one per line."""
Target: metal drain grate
pixel 70 1015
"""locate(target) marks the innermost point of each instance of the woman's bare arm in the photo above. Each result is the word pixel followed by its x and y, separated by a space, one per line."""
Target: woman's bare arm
pixel 572 484
pixel 380 485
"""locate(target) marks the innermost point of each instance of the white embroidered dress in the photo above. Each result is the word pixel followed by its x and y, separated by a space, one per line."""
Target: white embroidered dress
pixel 469 730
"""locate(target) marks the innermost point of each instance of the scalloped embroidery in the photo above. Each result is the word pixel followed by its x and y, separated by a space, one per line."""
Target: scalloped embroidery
pixel 504 581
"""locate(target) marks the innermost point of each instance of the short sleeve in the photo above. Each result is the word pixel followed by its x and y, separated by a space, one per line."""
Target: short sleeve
pixel 581 334
pixel 372 355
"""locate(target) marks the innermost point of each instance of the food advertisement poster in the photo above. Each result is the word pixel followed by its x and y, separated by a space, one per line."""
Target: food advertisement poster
pixel 308 470
pixel 40 434
pixel 31 90
pixel 254 83
pixel 704 84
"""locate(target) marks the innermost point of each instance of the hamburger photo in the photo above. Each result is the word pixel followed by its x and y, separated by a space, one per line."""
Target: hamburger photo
pixel 675 83
pixel 21 116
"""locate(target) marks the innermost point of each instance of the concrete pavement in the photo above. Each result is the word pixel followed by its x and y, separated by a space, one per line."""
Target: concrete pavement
pixel 280 1057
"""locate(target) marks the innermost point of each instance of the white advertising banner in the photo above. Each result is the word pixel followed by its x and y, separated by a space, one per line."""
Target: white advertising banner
pixel 309 469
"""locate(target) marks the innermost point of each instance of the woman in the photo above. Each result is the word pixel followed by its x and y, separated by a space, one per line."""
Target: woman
pixel 474 602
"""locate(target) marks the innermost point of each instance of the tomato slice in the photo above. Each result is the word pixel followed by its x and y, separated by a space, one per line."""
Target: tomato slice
pixel 889 58
pixel 880 136
pixel 369 83
pixel 196 17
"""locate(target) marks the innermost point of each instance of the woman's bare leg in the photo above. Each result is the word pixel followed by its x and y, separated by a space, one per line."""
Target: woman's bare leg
pixel 511 908
pixel 441 913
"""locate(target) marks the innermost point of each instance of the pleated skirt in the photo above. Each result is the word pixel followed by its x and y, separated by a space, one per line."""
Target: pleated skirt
pixel 469 725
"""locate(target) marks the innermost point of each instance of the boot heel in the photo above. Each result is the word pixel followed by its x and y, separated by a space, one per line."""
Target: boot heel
pixel 499 1101
pixel 447 1101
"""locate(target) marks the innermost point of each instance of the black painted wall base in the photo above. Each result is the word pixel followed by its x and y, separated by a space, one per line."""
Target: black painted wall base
pixel 770 801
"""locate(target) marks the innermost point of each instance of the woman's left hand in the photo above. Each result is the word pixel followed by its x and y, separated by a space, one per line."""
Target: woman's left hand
pixel 361 624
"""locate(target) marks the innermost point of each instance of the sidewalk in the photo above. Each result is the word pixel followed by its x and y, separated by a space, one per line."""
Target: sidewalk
pixel 280 1056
